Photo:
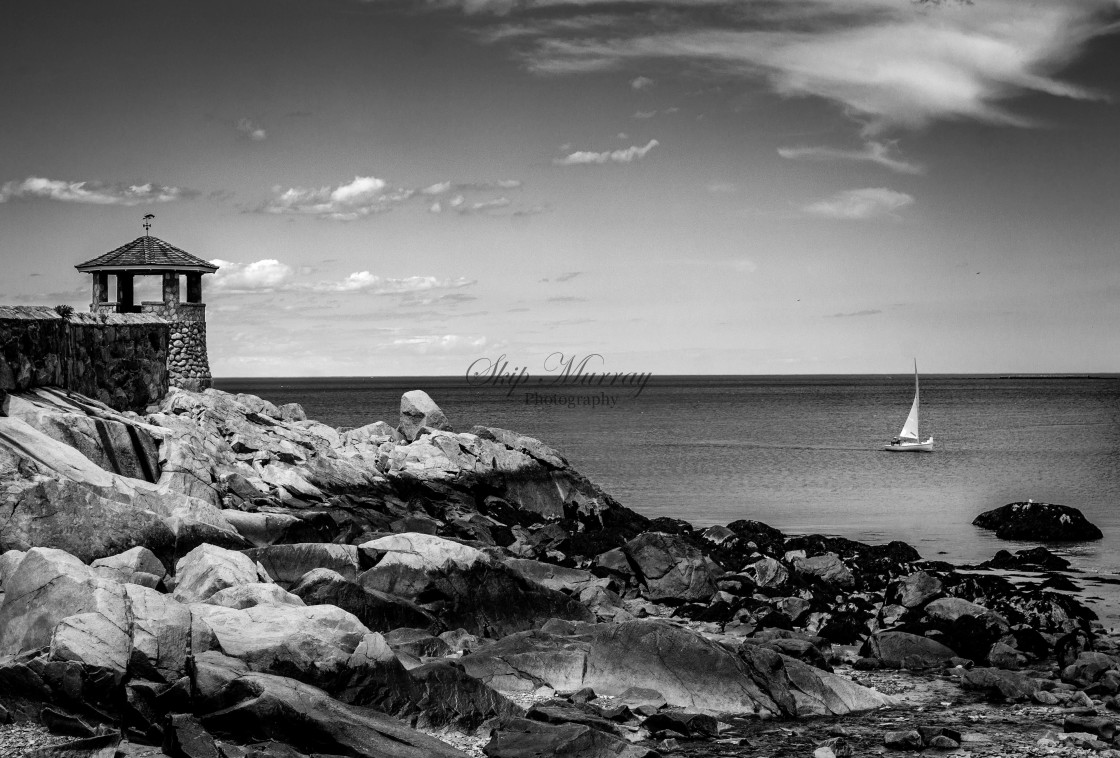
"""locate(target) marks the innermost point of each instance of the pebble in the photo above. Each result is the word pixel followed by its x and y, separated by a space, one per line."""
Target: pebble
pixel 17 739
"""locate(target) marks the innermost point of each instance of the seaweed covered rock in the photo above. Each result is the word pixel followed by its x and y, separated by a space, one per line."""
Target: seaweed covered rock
pixel 1041 522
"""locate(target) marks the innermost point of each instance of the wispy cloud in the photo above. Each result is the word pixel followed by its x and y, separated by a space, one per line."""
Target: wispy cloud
pixel 251 129
pixel 363 196
pixel 624 155
pixel 459 205
pixel 440 343
pixel 872 152
pixel 869 312
pixel 270 275
pixel 860 204
pixel 886 63
pixel 567 299
pixel 565 277
pixel 639 83
pixel 442 188
pixel 722 188
pixel 364 281
pixel 91 191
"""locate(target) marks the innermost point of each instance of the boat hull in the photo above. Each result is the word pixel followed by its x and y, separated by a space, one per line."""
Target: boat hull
pixel 911 447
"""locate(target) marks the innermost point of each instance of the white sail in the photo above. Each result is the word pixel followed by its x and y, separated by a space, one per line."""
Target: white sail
pixel 910 428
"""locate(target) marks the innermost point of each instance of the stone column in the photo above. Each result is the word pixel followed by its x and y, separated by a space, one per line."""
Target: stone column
pixel 171 288
pixel 187 362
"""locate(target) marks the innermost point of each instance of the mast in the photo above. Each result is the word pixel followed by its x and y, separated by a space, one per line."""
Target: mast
pixel 917 411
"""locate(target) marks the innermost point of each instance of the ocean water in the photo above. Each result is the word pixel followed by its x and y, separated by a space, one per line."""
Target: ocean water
pixel 800 452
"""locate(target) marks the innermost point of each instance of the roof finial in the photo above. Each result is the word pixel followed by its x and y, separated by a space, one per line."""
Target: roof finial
pixel 148 223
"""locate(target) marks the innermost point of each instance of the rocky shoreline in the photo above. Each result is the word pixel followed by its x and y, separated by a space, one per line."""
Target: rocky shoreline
pixel 223 577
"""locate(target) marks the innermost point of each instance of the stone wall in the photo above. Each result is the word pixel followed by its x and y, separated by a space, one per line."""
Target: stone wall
pixel 120 359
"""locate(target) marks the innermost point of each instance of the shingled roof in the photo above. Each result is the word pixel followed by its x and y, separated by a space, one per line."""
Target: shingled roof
pixel 147 253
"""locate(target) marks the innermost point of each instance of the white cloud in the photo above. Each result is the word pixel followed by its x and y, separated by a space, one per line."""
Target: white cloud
pixel 266 275
pixel 625 155
pixel 641 83
pixel 861 204
pixel 368 195
pixel 94 192
pixel 363 196
pixel 872 152
pixel 270 275
pixel 251 130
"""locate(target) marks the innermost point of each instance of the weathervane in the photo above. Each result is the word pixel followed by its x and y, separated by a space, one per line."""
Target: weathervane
pixel 148 223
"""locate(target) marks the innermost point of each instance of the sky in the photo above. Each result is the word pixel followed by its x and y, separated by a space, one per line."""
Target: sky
pixel 676 186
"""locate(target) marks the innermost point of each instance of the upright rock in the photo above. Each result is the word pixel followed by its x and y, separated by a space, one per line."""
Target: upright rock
pixel 418 411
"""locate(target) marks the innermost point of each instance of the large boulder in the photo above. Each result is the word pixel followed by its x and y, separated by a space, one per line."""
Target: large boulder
pixel 138 566
pixel 56 601
pixel 443 694
pixel 1038 522
pixel 46 587
pixel 897 649
pixel 419 412
pixel 685 668
pixel 64 514
pixel 208 569
pixel 163 634
pixel 462 586
pixel 768 572
pixel 260 706
pixel 672 569
pixel 242 596
pixel 379 611
pixel 57 497
pixel 314 644
pixel 999 685
pixel 914 590
pixel 970 629
pixel 828 568
pixel 570 580
pixel 287 563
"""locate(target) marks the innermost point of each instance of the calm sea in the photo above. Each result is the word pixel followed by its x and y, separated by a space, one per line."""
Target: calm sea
pixel 801 452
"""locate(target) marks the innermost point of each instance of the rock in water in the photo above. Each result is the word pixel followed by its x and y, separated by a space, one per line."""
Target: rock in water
pixel 1043 522
pixel 419 411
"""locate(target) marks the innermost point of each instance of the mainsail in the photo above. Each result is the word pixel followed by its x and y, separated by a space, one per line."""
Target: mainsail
pixel 910 428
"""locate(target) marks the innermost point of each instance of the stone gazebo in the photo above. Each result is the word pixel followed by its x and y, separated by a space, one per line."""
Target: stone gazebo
pixel 187 364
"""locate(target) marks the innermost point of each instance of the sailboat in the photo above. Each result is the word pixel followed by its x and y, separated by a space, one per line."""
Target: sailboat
pixel 908 440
